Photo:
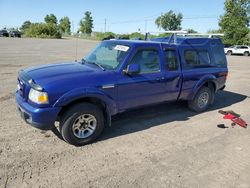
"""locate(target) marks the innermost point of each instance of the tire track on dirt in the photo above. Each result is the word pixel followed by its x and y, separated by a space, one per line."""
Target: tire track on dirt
pixel 7 97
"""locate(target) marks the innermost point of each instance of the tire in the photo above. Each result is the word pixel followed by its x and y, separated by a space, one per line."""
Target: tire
pixel 246 54
pixel 203 98
pixel 82 124
pixel 229 52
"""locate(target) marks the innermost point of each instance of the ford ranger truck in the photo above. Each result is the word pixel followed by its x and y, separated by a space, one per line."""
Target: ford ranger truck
pixel 120 75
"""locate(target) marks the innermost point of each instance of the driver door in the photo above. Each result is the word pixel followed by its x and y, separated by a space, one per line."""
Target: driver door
pixel 145 87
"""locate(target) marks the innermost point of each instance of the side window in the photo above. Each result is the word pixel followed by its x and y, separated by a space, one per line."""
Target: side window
pixel 148 61
pixel 195 58
pixel 172 63
pixel 244 47
pixel 191 57
pixel 204 58
pixel 219 56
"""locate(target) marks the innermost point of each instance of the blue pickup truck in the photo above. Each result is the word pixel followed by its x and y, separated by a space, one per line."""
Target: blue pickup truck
pixel 119 75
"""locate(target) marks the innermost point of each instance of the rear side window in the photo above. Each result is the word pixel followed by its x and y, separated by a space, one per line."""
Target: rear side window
pixel 172 63
pixel 197 58
pixel 204 58
pixel 244 47
pixel 219 55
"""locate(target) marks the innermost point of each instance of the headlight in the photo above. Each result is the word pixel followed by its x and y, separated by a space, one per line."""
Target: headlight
pixel 38 97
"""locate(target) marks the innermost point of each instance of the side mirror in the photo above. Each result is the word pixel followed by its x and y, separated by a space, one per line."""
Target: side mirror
pixel 132 69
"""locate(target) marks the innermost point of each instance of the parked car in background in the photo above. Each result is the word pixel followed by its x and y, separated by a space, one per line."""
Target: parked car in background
pixel 15 33
pixel 4 33
pixel 238 49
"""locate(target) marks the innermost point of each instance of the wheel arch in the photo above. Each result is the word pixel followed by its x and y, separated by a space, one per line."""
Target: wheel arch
pixel 88 95
pixel 92 100
pixel 210 83
pixel 246 52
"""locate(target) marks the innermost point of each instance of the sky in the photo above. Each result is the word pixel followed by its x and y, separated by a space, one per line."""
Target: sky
pixel 122 16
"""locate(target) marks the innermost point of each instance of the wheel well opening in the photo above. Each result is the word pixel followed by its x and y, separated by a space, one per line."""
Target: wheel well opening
pixel 210 85
pixel 91 100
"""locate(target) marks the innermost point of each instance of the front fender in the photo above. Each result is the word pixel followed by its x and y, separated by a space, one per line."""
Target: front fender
pixel 81 93
pixel 106 98
pixel 200 83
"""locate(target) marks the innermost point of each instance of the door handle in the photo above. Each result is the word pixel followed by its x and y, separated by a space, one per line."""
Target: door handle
pixel 160 78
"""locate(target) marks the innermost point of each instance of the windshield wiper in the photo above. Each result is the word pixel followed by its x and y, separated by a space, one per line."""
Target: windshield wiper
pixel 101 67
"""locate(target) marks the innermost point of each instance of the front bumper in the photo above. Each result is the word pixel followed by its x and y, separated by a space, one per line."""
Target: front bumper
pixel 41 118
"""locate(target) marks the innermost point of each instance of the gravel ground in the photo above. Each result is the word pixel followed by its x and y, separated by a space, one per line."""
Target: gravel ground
pixel 161 146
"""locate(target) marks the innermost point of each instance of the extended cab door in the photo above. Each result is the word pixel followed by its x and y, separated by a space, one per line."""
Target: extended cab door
pixel 145 87
pixel 172 72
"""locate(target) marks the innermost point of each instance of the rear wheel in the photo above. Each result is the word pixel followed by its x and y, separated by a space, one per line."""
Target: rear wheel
pixel 246 53
pixel 202 99
pixel 229 52
pixel 82 124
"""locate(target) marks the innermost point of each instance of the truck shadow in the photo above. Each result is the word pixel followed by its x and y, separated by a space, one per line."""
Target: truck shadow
pixel 147 117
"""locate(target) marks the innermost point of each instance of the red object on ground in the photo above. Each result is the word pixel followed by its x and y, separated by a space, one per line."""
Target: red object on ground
pixel 233 117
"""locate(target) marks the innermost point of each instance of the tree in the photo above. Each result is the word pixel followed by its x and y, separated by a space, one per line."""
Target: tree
pixel 248 39
pixel 136 35
pixel 43 30
pixel 25 26
pixel 169 21
pixel 191 31
pixel 50 19
pixel 212 31
pixel 64 25
pixel 235 21
pixel 86 24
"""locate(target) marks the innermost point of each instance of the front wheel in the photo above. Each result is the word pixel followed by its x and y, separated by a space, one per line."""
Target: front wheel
pixel 202 99
pixel 82 124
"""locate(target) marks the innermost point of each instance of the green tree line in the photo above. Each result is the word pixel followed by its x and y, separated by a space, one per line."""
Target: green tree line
pixel 234 23
pixel 49 29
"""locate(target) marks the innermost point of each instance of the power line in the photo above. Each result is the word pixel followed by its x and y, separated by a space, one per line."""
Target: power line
pixel 199 17
pixel 153 19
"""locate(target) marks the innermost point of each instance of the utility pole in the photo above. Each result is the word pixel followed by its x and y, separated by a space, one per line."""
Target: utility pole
pixel 105 25
pixel 72 23
pixel 146 23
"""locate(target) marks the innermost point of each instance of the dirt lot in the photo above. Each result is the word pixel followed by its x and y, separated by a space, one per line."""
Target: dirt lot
pixel 161 146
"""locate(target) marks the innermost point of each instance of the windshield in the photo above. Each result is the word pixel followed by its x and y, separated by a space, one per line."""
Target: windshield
pixel 107 54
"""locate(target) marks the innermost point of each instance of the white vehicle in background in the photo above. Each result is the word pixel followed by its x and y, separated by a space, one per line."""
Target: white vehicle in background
pixel 238 49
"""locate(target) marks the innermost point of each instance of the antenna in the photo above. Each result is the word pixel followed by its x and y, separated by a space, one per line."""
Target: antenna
pixel 76 47
pixel 76 41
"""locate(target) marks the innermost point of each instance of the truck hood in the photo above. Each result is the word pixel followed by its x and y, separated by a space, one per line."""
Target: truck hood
pixel 67 75
pixel 58 79
pixel 53 71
